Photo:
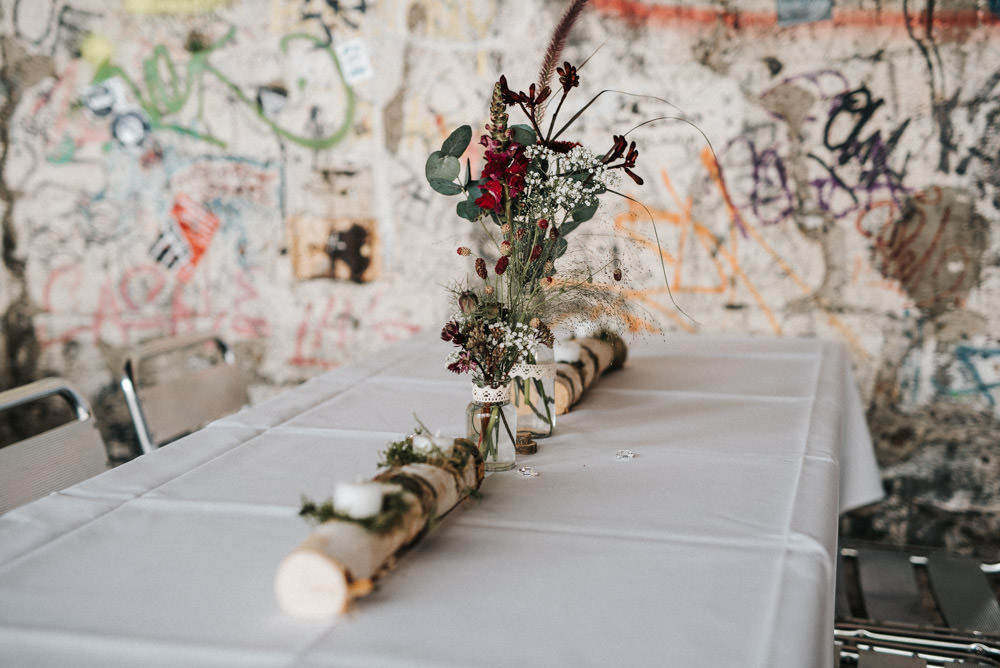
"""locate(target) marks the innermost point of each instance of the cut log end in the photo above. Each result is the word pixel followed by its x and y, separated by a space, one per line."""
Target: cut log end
pixel 312 585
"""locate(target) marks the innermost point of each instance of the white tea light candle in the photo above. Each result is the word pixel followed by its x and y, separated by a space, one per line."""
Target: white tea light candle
pixel 566 351
pixel 359 500
pixel 422 443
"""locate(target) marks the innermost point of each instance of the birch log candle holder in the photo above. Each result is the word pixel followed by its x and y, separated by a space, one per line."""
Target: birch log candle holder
pixel 581 362
pixel 340 560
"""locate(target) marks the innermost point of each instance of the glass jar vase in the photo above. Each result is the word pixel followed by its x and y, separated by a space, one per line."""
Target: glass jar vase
pixel 491 423
pixel 533 393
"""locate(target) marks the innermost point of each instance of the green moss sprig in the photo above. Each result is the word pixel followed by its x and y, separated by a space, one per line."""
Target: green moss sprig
pixel 394 508
pixel 402 452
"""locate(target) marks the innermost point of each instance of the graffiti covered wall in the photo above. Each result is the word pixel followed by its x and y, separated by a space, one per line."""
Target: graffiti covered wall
pixel 255 167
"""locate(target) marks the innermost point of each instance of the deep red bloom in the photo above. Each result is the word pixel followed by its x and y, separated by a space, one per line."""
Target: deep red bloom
pixel 502 265
pixel 495 167
pixel 492 197
pixel 561 146
pixel 463 364
pixel 481 268
pixel 452 332
pixel 554 233
pixel 536 251
pixel 568 76
pixel 542 224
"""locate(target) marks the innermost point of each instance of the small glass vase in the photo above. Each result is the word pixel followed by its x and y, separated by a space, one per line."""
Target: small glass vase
pixel 533 391
pixel 491 423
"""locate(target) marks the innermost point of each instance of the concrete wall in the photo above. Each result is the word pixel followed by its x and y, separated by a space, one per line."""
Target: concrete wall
pixel 256 167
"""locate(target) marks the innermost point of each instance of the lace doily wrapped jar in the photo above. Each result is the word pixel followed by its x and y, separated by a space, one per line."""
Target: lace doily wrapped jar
pixel 491 423
pixel 533 393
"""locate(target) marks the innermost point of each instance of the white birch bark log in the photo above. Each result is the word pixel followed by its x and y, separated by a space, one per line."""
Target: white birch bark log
pixel 340 559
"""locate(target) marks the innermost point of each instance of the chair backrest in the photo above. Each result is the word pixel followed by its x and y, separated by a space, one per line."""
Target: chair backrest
pixel 934 606
pixel 53 459
pixel 189 390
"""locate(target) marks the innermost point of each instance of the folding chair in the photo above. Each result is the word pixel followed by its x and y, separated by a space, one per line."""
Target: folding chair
pixel 915 607
pixel 53 459
pixel 176 385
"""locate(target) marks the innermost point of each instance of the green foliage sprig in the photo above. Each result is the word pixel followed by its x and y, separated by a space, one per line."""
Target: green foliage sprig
pixel 394 508
pixel 402 452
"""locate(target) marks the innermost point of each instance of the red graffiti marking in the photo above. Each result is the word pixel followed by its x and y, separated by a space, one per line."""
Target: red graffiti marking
pixel 930 248
pixel 328 328
pixel 639 12
pixel 198 225
pixel 141 304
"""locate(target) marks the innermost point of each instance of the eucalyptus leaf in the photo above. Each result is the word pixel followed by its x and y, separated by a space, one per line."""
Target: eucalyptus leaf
pixel 457 141
pixel 445 187
pixel 523 134
pixel 561 246
pixel 569 226
pixel 585 213
pixel 468 209
pixel 442 166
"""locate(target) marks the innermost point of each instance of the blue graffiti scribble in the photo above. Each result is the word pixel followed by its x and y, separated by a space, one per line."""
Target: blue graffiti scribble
pixel 966 356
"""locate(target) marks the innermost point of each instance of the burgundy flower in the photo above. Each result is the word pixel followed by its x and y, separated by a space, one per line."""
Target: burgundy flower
pixel 452 332
pixel 501 265
pixel 468 302
pixel 554 233
pixel 495 167
pixel 559 146
pixel 481 268
pixel 536 252
pixel 463 364
pixel 568 76
pixel 542 224
pixel 489 142
pixel 492 197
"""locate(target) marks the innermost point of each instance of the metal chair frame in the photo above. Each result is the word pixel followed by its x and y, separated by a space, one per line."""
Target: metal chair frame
pixel 936 609
pixel 53 459
pixel 163 412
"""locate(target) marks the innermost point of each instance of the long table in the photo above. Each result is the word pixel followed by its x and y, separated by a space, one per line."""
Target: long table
pixel 714 545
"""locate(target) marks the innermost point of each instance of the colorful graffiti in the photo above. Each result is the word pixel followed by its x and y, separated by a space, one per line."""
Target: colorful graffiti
pixel 166 89
pixel 256 167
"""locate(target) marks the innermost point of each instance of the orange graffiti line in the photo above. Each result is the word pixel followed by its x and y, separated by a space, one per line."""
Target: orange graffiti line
pixel 633 322
pixel 644 297
pixel 636 12
pixel 685 225
pixel 832 319
pixel 715 173
pixel 707 240
pixel 704 237
pixel 754 292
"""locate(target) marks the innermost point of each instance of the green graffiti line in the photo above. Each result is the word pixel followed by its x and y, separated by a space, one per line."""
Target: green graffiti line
pixel 167 95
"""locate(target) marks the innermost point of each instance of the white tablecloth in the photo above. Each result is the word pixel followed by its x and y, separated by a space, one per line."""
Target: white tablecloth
pixel 713 546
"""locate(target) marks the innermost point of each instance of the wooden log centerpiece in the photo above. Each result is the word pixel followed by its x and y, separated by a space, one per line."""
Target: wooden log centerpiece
pixel 365 525
pixel 576 373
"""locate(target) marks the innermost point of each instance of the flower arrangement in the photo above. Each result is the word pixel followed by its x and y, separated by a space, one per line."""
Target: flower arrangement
pixel 534 189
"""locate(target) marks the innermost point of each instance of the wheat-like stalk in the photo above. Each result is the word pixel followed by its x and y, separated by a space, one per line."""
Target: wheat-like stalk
pixel 554 51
